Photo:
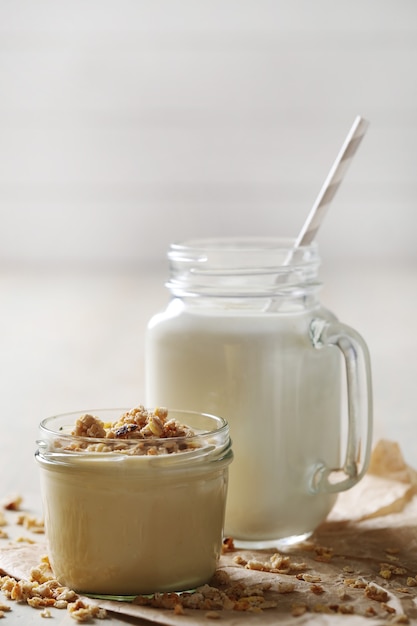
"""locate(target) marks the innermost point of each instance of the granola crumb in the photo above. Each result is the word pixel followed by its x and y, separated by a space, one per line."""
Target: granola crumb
pixel 31 523
pixel 212 615
pixel 12 503
pixel 228 545
pixel 376 593
pixel 286 587
pixel 298 610
pixel 309 578
pixel 46 613
pixel 391 569
pixel 322 608
pixel 83 612
pixel 179 609
pixel 277 564
pixel 4 608
pixel 370 611
pixel 388 608
pixel 400 619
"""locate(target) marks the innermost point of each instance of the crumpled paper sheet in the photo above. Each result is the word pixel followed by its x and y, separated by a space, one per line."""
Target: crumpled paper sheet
pixel 369 537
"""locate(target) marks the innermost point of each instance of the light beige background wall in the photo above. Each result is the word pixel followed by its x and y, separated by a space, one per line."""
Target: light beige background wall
pixel 127 124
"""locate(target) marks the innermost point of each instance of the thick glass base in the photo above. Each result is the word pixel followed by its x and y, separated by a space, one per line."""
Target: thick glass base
pixel 279 544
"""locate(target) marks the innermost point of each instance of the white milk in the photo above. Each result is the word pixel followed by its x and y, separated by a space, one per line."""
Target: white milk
pixel 280 396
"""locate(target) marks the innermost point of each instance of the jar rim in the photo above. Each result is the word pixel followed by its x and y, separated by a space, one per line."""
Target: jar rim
pixel 239 244
pixel 243 267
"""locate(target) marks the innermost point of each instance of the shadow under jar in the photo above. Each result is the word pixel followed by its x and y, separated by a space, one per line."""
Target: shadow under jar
pixel 246 337
pixel 122 523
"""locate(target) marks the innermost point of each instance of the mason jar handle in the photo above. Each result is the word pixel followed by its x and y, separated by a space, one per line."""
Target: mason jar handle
pixel 359 397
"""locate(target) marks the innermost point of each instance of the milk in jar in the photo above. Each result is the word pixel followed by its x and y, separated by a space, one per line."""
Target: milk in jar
pixel 243 338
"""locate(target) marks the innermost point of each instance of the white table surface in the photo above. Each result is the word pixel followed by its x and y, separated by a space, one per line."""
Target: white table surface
pixel 73 339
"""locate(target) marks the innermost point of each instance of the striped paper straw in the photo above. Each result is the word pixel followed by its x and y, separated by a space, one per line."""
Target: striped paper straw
pixel 332 182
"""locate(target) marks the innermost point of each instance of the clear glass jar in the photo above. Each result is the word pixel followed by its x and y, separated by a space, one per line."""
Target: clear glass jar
pixel 245 336
pixel 120 524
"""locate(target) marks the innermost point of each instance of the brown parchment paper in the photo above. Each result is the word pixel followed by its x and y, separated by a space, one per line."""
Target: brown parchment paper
pixel 360 564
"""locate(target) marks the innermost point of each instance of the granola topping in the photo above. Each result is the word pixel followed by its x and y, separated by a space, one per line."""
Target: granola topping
pixel 153 432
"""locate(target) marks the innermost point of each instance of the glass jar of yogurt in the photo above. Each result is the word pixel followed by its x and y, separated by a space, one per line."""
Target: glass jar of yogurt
pixel 245 336
pixel 126 515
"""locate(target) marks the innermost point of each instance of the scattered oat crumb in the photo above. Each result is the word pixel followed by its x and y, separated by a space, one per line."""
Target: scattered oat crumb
pixel 4 608
pixel 3 534
pixel 403 590
pixel 317 589
pixel 370 611
pixel 391 569
pixel 388 608
pixel 286 587
pixel 373 592
pixel 220 578
pixel 45 613
pixel 12 503
pixel 309 578
pixel 277 564
pixel 322 608
pixel 228 545
pixel 298 610
pixel 31 523
pixel 212 615
pixel 343 595
pixel 400 619
pixel 179 609
pixel 356 583
pixel 82 612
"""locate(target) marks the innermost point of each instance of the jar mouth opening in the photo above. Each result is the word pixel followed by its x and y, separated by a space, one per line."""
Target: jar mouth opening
pixel 256 267
pixel 247 245
pixel 209 432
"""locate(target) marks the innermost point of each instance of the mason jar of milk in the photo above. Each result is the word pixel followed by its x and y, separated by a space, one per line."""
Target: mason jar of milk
pixel 244 336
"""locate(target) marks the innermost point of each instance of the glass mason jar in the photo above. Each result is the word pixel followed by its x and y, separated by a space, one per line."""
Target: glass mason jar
pixel 120 524
pixel 244 336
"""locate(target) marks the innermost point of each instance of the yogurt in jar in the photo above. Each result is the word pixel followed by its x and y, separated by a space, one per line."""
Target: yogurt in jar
pixel 128 516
